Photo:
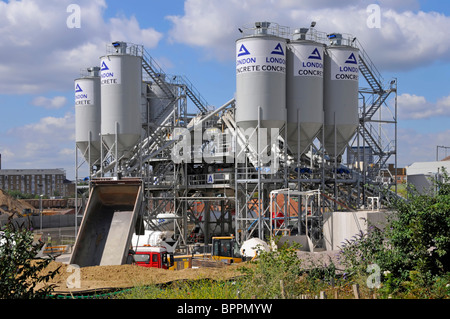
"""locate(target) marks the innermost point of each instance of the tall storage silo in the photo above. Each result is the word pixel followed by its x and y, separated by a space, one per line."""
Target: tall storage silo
pixel 159 100
pixel 261 79
pixel 304 91
pixel 121 85
pixel 341 84
pixel 88 114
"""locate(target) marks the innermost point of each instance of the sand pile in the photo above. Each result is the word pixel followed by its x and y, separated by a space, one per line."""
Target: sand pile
pixel 125 276
pixel 12 207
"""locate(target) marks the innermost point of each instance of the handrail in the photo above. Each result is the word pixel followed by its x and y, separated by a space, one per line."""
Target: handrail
pixel 192 92
pixel 369 63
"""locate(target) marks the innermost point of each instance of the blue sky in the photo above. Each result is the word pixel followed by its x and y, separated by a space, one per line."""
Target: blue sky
pixel 41 56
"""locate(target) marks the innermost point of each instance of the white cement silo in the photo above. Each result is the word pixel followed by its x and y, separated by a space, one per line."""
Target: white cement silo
pixel 121 85
pixel 341 84
pixel 88 115
pixel 261 79
pixel 304 92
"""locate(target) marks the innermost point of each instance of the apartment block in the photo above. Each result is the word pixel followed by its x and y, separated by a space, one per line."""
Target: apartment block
pixel 49 182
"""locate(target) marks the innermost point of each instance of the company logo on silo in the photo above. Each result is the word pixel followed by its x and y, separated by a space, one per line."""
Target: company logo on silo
pixel 104 67
pixel 278 50
pixel 81 98
pixel 107 75
pixel 264 56
pixel 310 66
pixel 345 66
pixel 243 51
pixel 277 64
pixel 315 55
pixel 350 69
pixel 352 59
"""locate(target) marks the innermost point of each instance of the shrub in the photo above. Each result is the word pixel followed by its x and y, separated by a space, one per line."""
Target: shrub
pixel 20 273
pixel 275 274
pixel 414 248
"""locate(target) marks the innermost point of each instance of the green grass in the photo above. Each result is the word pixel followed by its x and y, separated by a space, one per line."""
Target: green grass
pixel 193 289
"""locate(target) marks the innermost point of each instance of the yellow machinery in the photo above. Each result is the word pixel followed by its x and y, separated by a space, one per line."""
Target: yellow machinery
pixel 226 249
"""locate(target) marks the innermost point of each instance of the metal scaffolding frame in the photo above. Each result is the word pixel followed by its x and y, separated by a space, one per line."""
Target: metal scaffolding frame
pixel 239 200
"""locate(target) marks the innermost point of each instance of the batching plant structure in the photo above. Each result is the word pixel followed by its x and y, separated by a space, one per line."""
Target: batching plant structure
pixel 121 77
pixel 304 93
pixel 88 115
pixel 266 162
pixel 341 82
pixel 261 79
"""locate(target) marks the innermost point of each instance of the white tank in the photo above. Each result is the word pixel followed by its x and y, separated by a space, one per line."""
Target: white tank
pixel 261 79
pixel 304 91
pixel 121 85
pixel 341 84
pixel 88 115
pixel 159 100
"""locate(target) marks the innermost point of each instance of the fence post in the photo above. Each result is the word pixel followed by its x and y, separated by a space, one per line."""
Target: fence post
pixel 282 289
pixel 356 291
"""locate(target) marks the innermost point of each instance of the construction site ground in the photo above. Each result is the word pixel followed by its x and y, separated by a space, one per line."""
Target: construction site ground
pixel 127 276
pixel 100 278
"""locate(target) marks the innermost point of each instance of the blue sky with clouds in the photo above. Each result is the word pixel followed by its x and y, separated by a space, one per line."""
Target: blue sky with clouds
pixel 41 57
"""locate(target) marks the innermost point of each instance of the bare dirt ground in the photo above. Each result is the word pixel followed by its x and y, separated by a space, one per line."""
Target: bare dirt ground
pixel 126 276
pixel 10 206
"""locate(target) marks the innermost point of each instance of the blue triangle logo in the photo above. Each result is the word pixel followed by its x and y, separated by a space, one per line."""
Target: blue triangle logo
pixel 78 89
pixel 278 50
pixel 243 51
pixel 352 59
pixel 315 55
pixel 104 67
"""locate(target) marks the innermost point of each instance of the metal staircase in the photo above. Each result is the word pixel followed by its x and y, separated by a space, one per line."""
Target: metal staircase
pixel 374 79
pixel 192 93
pixel 162 80
pixel 156 74
pixel 376 104
pixel 366 132
pixel 378 96
pixel 368 70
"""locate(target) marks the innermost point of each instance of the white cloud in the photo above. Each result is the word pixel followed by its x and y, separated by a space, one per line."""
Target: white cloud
pixel 419 147
pixel 50 103
pixel 50 128
pixel 407 39
pixel 123 28
pixel 413 107
pixel 40 52
pixel 7 155
pixel 36 144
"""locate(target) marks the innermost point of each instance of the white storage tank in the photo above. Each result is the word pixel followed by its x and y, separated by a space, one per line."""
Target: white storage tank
pixel 121 85
pixel 304 91
pixel 341 84
pixel 88 114
pixel 261 79
pixel 159 100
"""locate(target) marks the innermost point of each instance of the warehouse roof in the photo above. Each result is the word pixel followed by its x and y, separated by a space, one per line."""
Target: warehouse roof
pixel 427 168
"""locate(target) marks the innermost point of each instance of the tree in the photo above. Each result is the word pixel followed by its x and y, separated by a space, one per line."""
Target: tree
pixel 414 245
pixel 20 272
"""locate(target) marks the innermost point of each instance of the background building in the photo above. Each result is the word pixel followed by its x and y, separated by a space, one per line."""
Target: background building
pixel 423 174
pixel 49 182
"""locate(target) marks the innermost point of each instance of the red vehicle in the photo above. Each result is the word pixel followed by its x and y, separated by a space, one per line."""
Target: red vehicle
pixel 150 256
